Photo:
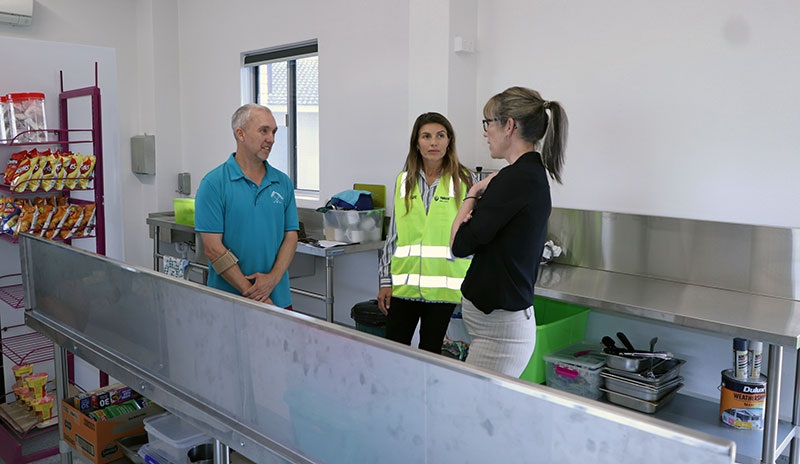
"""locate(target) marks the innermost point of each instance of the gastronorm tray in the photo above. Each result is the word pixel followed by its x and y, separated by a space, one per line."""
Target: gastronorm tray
pixel 648 407
pixel 663 372
pixel 130 446
pixel 639 390
pixel 632 363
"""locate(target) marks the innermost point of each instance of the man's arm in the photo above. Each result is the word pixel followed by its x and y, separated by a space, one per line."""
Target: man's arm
pixel 212 243
pixel 265 283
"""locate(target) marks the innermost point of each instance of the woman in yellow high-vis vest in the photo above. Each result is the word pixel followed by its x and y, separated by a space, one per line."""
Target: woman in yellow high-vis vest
pixel 420 280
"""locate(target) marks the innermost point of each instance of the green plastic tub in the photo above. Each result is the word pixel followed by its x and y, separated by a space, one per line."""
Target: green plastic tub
pixel 558 324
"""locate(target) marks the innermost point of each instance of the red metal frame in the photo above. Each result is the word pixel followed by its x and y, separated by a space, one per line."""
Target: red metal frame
pixel 97 147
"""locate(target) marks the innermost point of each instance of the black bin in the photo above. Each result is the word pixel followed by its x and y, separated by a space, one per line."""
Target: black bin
pixel 369 318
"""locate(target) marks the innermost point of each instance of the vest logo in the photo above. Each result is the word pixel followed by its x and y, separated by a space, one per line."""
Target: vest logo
pixel 413 196
pixel 441 198
pixel 276 197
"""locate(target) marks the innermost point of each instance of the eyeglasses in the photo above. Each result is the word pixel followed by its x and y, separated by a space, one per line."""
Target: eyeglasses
pixel 486 123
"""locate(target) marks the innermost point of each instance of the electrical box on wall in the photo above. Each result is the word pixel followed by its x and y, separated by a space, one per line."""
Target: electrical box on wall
pixel 143 154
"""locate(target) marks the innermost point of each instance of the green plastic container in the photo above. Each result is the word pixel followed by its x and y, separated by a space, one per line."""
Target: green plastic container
pixel 184 210
pixel 558 324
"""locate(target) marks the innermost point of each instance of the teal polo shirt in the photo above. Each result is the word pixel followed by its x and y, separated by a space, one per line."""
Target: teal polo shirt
pixel 251 218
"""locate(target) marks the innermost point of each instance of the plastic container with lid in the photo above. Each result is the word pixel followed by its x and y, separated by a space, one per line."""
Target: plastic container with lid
pixel 27 114
pixel 172 438
pixel 576 369
pixel 5 120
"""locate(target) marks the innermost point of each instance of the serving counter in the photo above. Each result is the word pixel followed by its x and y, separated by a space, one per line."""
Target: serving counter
pixel 278 386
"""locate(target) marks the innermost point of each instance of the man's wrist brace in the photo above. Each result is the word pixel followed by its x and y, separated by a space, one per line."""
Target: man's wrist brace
pixel 224 262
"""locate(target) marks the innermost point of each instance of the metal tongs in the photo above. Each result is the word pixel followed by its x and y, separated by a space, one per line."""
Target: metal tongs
pixel 612 348
pixel 644 354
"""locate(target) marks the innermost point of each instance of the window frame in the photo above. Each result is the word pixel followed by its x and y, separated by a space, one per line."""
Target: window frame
pixel 288 53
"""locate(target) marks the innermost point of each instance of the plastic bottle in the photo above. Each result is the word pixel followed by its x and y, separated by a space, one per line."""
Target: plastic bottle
pixel 740 363
pixel 754 355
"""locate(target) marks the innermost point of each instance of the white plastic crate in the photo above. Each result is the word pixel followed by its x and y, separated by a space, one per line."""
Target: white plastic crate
pixel 172 438
pixel 576 369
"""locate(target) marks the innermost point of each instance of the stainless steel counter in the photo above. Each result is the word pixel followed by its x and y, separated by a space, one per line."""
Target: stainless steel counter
pixel 163 228
pixel 770 319
pixel 732 279
pixel 277 386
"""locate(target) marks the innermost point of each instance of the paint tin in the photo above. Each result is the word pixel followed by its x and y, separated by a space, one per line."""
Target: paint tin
pixel 741 403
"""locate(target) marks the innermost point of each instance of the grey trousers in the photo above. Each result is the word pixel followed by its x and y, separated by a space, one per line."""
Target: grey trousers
pixel 502 341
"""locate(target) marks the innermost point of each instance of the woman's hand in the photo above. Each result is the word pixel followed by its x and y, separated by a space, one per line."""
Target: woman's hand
pixel 478 189
pixel 384 299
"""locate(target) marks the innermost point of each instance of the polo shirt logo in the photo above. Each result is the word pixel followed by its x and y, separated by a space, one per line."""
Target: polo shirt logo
pixel 276 197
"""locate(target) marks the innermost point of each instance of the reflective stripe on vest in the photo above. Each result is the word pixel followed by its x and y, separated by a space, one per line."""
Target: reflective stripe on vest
pixel 423 265
pixel 416 280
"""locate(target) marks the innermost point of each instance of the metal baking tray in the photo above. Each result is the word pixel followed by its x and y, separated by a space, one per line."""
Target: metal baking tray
pixel 130 446
pixel 638 390
pixel 632 363
pixel 662 372
pixel 648 407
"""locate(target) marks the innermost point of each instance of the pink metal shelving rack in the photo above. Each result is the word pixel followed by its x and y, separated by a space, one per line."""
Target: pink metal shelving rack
pixel 35 347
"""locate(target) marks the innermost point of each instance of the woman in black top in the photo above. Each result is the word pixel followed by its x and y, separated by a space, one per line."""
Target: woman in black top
pixel 503 222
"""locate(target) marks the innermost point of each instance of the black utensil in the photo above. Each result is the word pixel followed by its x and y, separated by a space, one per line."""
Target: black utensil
pixel 611 346
pixel 625 341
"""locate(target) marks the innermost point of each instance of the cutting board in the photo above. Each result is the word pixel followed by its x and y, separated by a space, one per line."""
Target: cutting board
pixel 378 193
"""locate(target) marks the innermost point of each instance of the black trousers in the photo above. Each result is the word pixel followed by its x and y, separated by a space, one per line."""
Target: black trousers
pixel 404 315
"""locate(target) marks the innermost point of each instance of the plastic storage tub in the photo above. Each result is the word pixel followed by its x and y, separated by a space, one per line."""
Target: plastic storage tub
pixel 184 211
pixel 353 226
pixel 172 438
pixel 27 114
pixel 576 369
pixel 558 324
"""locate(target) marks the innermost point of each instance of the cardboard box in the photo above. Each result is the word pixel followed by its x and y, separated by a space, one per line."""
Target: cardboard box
pixel 96 440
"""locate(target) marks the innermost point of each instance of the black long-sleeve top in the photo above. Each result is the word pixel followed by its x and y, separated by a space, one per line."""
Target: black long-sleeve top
pixel 506 236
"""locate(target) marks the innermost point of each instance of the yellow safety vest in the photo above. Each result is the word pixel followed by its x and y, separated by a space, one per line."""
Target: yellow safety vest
pixel 423 265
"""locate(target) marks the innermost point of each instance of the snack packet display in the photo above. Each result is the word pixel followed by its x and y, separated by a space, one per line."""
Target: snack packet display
pixel 61 172
pixel 19 180
pixel 73 170
pixel 86 227
pixel 71 221
pixel 27 217
pixel 55 222
pixel 43 218
pixel 51 168
pixel 13 163
pixel 86 170
pixel 10 215
pixel 37 167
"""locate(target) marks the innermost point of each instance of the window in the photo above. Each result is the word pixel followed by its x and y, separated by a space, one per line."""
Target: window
pixel 286 79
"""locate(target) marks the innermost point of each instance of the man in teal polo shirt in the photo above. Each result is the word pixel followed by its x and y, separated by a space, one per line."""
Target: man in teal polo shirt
pixel 246 215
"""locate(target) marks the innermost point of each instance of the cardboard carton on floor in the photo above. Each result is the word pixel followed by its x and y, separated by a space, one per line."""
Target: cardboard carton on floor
pixel 97 440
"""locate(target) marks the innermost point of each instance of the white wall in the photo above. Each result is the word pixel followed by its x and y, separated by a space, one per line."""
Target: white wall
pixel 363 67
pixel 681 109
